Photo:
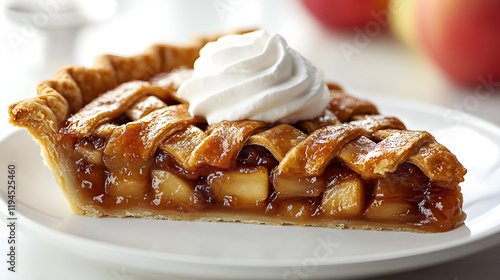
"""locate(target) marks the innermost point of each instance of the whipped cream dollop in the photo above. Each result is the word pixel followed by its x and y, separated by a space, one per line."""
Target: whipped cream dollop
pixel 254 76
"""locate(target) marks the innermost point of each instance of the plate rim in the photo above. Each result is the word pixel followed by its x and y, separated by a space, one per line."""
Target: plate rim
pixel 471 244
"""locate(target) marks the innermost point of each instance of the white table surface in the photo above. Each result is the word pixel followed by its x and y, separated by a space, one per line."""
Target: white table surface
pixel 380 66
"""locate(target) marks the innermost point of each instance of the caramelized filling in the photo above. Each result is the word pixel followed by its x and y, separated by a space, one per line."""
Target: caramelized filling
pixel 317 187
pixel 405 196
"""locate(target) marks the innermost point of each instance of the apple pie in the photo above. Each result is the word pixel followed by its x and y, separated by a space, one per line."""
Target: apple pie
pixel 121 142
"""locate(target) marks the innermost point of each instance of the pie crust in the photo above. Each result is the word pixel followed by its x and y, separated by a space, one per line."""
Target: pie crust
pixel 120 144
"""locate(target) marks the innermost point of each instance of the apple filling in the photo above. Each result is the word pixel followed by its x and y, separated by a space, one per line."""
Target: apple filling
pixel 146 154
pixel 406 196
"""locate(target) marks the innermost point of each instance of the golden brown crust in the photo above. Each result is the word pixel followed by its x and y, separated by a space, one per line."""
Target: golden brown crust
pixel 74 87
pixel 345 107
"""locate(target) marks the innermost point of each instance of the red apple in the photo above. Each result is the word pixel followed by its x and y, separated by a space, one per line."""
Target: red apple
pixel 462 36
pixel 346 14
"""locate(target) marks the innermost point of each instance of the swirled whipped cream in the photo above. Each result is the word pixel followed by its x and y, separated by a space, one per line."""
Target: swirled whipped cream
pixel 254 76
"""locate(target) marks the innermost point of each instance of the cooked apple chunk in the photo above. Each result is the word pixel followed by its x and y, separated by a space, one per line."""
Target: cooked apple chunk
pixel 345 197
pixel 170 188
pixel 241 189
pixel 126 183
pixel 390 211
pixel 395 196
pixel 288 186
pixel 300 208
pixel 90 154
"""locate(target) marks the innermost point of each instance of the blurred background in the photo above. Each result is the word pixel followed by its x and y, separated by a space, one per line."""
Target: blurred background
pixel 444 53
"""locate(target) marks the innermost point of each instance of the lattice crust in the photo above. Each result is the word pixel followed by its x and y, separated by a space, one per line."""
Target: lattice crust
pixel 300 154
pixel 126 108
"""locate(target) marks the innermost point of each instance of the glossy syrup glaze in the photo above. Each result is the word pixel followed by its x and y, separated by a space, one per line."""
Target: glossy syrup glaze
pixel 431 206
pixel 146 152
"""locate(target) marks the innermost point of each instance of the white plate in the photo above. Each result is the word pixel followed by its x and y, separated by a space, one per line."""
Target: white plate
pixel 236 251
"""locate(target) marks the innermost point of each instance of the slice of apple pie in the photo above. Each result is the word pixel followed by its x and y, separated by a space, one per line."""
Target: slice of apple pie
pixel 239 129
